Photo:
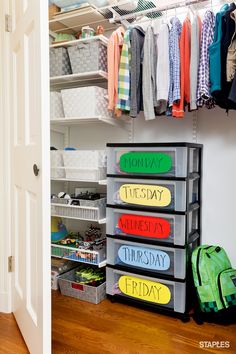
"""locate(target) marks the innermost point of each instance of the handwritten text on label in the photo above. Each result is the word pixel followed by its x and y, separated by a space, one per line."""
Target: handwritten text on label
pixel 145 162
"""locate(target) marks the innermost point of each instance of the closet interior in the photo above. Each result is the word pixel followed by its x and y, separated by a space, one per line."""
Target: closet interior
pixel 86 135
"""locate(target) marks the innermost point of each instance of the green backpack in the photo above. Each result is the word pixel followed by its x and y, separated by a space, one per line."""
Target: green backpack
pixel 214 278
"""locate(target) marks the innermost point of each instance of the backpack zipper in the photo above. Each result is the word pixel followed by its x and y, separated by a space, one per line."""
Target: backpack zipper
pixel 219 287
pixel 197 264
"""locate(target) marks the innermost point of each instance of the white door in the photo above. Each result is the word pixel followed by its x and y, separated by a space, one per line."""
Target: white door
pixel 30 152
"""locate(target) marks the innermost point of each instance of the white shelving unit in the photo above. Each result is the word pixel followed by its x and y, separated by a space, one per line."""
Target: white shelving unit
pixel 67 44
pixel 102 182
pixel 118 122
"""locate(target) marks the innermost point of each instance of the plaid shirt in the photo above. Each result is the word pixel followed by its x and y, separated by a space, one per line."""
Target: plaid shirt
pixel 175 31
pixel 203 91
pixel 124 75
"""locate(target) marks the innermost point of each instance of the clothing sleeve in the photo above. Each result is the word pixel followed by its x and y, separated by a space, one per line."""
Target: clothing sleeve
pixel 110 69
pixel 194 63
pixel 147 78
pixel 163 67
pixel 134 74
pixel 176 68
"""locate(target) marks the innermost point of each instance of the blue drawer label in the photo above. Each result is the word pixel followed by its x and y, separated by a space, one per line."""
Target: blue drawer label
pixel 144 257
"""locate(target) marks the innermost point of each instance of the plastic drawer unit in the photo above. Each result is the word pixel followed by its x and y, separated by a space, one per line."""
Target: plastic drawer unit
pixel 166 229
pixel 166 261
pixel 147 290
pixel 167 160
pixel 171 195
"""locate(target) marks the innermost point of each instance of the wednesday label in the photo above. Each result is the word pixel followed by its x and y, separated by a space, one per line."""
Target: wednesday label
pixel 145 162
pixel 148 195
pixel 146 226
pixel 144 257
pixel 144 289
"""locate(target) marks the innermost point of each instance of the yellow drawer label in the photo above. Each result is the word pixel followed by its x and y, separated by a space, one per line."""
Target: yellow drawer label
pixel 144 289
pixel 144 194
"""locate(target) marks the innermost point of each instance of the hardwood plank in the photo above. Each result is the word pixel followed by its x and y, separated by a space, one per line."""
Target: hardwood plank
pixel 113 328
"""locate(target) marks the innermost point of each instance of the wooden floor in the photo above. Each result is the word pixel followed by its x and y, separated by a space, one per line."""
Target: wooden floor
pixel 112 328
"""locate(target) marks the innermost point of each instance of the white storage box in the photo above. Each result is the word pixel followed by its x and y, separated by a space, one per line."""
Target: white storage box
pixel 157 227
pixel 170 160
pixel 169 261
pixel 88 57
pixel 56 106
pixel 153 194
pixel 57 164
pixel 88 165
pixel 95 213
pixel 147 290
pixel 85 102
pixel 69 287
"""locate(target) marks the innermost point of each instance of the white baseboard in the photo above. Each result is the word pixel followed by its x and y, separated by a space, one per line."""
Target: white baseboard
pixel 4 302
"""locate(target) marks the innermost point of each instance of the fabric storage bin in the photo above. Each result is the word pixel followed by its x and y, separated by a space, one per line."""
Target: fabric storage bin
pixel 69 287
pixel 59 267
pixel 168 261
pixel 95 213
pixel 152 227
pixel 152 194
pixel 85 102
pixel 56 106
pixel 87 165
pixel 59 62
pixel 57 164
pixel 147 290
pixel 79 255
pixel 155 160
pixel 90 56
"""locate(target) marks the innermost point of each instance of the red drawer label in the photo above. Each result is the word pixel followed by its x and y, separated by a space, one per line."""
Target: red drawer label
pixel 77 286
pixel 146 226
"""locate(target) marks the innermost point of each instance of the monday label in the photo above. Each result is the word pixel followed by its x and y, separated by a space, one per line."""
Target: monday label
pixel 145 162
pixel 144 257
pixel 146 226
pixel 144 289
pixel 148 195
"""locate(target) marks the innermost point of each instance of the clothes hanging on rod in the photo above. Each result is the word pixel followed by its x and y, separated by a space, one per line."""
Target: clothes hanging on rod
pixel 167 68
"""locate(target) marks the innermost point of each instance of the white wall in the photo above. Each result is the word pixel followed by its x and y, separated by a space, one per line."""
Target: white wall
pixel 5 207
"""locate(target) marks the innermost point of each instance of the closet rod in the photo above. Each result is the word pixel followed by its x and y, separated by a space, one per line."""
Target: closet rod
pixel 120 18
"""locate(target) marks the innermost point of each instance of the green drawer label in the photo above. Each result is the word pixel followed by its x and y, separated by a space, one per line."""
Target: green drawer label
pixel 145 162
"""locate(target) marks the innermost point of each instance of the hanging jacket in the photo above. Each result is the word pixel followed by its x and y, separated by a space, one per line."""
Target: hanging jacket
pixel 203 91
pixel 231 56
pixel 196 30
pixel 215 52
pixel 136 100
pixel 228 27
pixel 149 74
pixel 185 48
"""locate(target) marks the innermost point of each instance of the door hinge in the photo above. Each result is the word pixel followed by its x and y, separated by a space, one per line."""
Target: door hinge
pixel 10 264
pixel 8 23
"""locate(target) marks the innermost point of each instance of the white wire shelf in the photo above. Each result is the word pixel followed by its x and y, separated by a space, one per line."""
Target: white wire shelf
pixel 102 182
pixel 75 80
pixel 67 44
pixel 100 221
pixel 118 122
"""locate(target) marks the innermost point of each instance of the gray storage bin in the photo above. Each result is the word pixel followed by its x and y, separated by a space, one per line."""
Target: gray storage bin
pixel 59 62
pixel 150 258
pixel 152 194
pixel 155 161
pixel 69 287
pixel 90 56
pixel 165 293
pixel 56 106
pixel 161 228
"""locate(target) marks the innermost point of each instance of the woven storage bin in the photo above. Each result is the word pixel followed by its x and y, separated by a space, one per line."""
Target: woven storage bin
pixel 87 165
pixel 81 212
pixel 52 10
pixel 86 102
pixel 57 164
pixel 56 105
pixel 87 57
pixel 88 293
pixel 59 62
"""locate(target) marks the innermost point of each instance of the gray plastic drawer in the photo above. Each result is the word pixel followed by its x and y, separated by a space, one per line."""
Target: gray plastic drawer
pixel 151 258
pixel 165 293
pixel 154 194
pixel 155 161
pixel 161 228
